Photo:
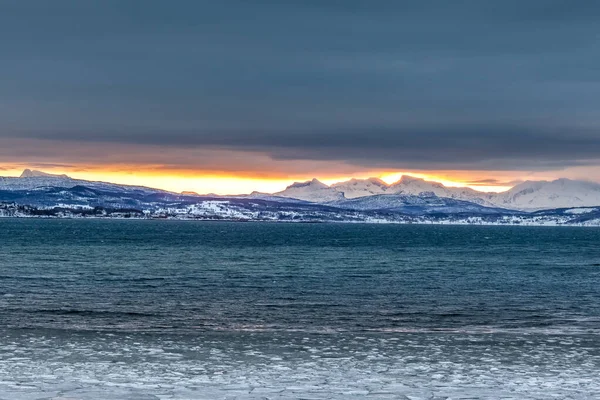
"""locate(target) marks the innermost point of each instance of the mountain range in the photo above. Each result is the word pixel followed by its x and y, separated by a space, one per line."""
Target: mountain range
pixel 526 196
pixel 411 199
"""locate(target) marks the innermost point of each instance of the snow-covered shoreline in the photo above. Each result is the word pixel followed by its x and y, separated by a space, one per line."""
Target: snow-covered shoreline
pixel 547 223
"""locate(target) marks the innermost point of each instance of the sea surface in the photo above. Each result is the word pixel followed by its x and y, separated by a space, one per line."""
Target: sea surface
pixel 112 309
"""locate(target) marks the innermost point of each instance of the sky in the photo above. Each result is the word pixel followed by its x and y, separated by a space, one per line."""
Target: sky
pixel 231 96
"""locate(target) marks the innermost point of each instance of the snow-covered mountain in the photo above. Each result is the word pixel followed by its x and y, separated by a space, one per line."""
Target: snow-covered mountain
pixel 318 192
pixel 314 191
pixel 527 196
pixel 38 180
pixel 361 187
pixel 538 195
pixel 39 174
pixel 32 180
pixel 409 185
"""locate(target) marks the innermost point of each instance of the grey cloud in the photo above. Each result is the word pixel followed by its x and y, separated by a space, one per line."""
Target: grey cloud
pixel 412 84
pixel 485 182
pixel 439 147
pixel 494 182
pixel 42 165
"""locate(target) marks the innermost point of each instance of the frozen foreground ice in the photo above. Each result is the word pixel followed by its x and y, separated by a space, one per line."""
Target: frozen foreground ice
pixel 268 365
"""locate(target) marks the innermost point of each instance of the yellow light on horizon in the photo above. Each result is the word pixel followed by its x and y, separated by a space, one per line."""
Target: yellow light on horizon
pixel 206 183
pixel 221 185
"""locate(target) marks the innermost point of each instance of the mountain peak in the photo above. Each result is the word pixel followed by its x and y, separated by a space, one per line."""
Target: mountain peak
pixel 313 190
pixel 312 183
pixel 378 182
pixel 405 179
pixel 356 181
pixel 28 173
pixel 361 187
pixel 559 193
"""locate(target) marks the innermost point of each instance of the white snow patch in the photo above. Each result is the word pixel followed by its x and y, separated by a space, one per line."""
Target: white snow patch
pixel 580 210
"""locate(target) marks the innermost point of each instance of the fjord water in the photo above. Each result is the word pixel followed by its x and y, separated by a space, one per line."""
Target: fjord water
pixel 198 310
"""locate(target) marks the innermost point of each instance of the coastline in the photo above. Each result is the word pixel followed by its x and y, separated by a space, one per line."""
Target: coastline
pixel 548 224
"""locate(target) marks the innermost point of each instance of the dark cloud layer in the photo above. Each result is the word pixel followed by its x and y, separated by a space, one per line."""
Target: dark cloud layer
pixel 412 84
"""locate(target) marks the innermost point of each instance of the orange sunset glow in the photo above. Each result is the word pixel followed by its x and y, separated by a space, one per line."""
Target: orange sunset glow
pixel 204 182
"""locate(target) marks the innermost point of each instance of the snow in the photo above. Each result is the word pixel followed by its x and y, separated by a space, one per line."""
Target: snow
pixel 224 210
pixel 410 185
pixel 314 191
pixel 527 196
pixel 208 209
pixel 318 192
pixel 539 195
pixel 355 188
pixel 580 210
pixel 39 174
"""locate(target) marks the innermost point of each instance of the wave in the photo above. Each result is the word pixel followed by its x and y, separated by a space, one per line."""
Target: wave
pixel 92 313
